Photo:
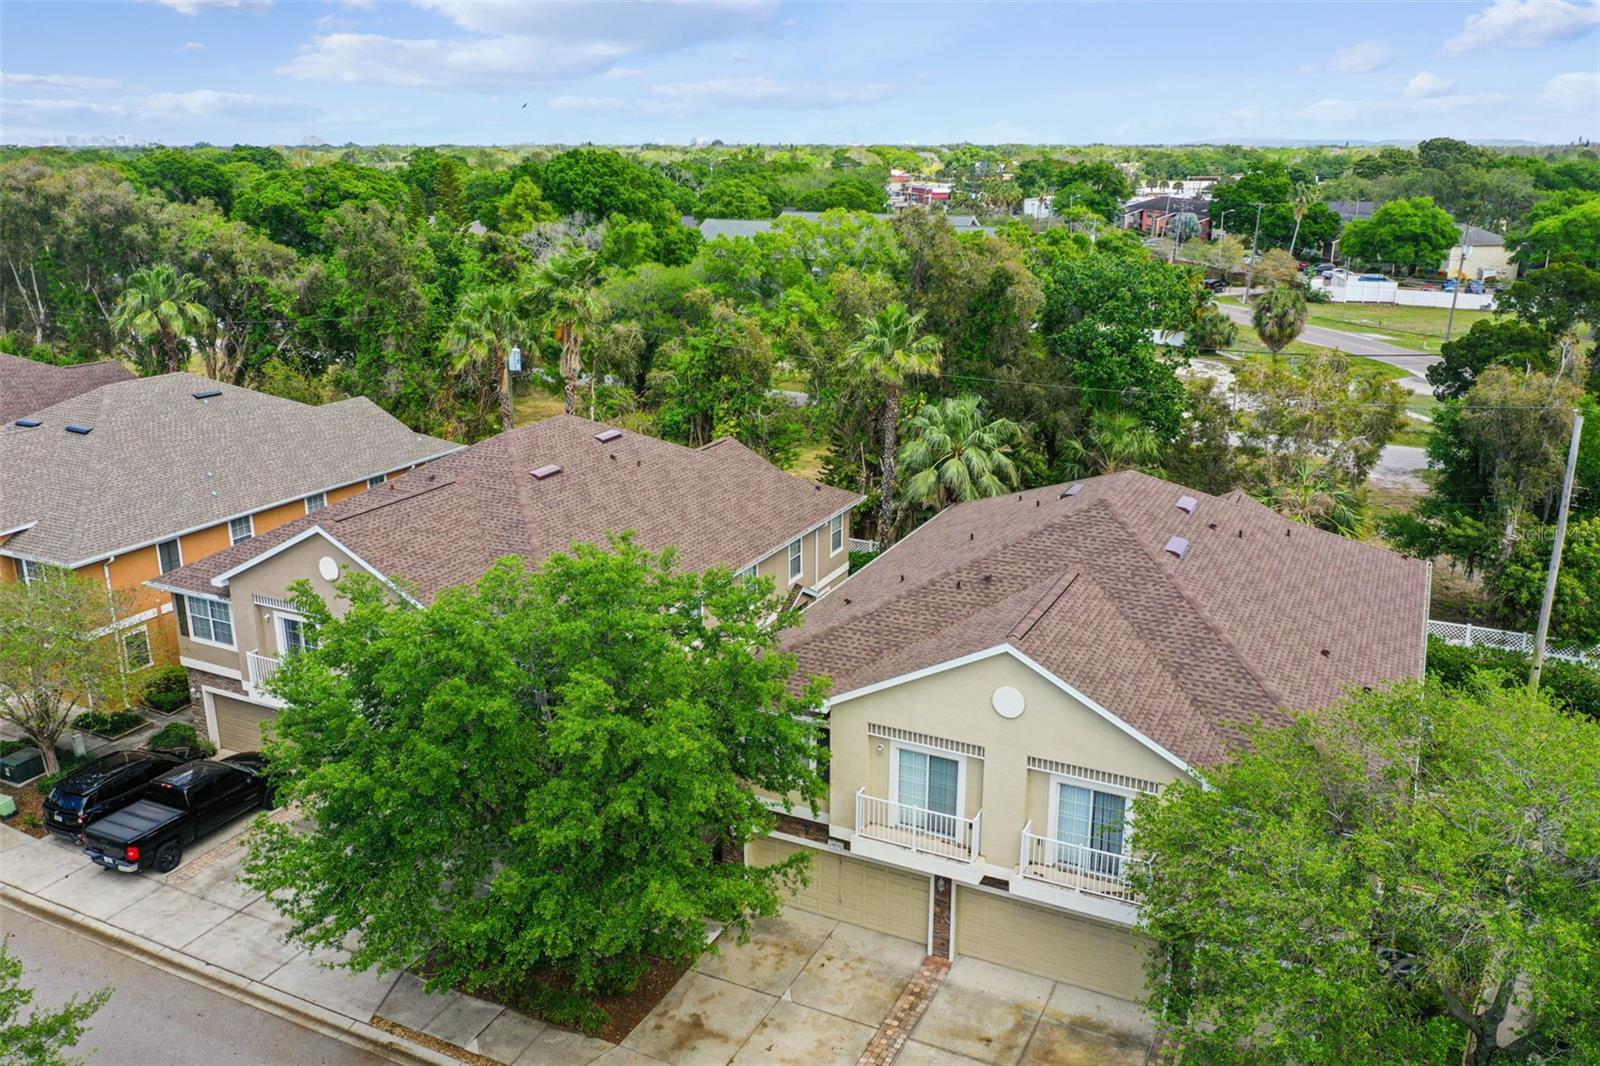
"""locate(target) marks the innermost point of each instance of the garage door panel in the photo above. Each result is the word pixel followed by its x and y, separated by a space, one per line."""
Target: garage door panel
pixel 1060 946
pixel 855 891
pixel 239 724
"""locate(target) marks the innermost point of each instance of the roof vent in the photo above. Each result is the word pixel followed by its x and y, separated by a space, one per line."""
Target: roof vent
pixel 1073 490
pixel 29 423
pixel 1177 547
pixel 206 394
pixel 548 471
pixel 607 434
pixel 1187 504
pixel 82 431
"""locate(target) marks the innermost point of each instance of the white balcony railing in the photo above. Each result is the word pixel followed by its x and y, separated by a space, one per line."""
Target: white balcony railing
pixel 948 836
pixel 261 667
pixel 1076 867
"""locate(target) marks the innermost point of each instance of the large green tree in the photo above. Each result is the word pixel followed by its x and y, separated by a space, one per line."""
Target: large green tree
pixel 572 308
pixel 890 351
pixel 1407 233
pixel 1393 879
pixel 487 326
pixel 160 310
pixel 953 454
pixel 1279 316
pixel 534 777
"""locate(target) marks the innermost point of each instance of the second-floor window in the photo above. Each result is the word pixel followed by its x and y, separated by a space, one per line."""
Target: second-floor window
pixel 316 502
pixel 292 637
pixel 374 482
pixel 836 534
pixel 928 788
pixel 31 570
pixel 794 561
pixel 136 648
pixel 1089 827
pixel 210 620
pixel 171 555
pixel 242 529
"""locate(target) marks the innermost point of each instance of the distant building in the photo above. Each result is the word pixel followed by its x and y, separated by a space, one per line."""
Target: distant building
pixel 1482 255
pixel 1152 217
pixel 1038 207
pixel 1197 185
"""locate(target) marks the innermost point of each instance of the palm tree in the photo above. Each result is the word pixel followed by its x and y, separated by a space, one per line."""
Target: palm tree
pixel 1279 316
pixel 1116 440
pixel 573 309
pixel 1314 497
pixel 486 324
pixel 1305 198
pixel 952 455
pixel 888 352
pixel 159 304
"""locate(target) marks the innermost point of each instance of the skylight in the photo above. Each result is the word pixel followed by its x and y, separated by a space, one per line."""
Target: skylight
pixel 207 394
pixel 82 431
pixel 607 434
pixel 29 423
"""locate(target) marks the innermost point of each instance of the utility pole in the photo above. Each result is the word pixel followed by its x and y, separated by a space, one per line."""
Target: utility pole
pixel 1555 553
pixel 1461 269
pixel 1249 275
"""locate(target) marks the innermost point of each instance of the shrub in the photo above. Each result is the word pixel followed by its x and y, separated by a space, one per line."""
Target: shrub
pixel 166 689
pixel 180 735
pixel 860 559
pixel 107 723
pixel 1318 296
pixel 1572 685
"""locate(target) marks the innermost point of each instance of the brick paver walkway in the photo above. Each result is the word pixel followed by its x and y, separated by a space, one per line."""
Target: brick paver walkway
pixel 885 1045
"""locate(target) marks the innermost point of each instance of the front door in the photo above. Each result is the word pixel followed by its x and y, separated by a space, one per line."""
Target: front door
pixel 928 783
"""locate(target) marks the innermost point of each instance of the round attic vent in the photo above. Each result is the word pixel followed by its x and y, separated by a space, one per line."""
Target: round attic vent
pixel 328 568
pixel 1007 702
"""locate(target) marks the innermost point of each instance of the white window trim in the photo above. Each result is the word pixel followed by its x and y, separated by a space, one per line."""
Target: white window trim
pixel 793 555
pixel 22 568
pixel 896 746
pixel 172 540
pixel 839 520
pixel 315 495
pixel 250 519
pixel 1057 780
pixel 149 652
pixel 189 601
pixel 376 479
pixel 278 618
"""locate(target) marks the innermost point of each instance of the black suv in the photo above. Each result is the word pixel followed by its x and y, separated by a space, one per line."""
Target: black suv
pixel 108 784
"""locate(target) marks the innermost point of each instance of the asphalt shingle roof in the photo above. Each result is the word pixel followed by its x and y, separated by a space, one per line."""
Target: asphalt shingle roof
pixel 1261 615
pixel 27 385
pixel 721 504
pixel 157 461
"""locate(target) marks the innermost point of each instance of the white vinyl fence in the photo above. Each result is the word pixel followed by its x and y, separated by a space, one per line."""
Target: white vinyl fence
pixel 1467 635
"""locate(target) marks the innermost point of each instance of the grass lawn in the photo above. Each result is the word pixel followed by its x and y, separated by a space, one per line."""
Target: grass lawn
pixel 808 461
pixel 1413 327
pixel 535 405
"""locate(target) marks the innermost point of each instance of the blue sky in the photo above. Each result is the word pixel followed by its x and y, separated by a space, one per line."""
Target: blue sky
pixel 461 71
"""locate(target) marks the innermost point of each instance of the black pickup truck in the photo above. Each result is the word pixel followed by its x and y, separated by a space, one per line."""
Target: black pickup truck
pixel 105 785
pixel 178 807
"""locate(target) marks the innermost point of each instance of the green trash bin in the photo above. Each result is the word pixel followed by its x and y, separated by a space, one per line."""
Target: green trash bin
pixel 20 766
pixel 8 806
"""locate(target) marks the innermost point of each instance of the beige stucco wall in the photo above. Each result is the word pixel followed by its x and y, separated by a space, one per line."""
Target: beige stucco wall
pixel 1484 260
pixel 817 562
pixel 956 705
pixel 256 630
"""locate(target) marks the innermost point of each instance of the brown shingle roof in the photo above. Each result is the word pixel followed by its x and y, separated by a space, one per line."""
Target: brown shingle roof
pixel 27 385
pixel 158 462
pixel 1261 615
pixel 718 505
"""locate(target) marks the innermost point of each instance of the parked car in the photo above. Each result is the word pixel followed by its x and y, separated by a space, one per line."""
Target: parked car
pixel 1475 287
pixel 106 785
pixel 1215 284
pixel 178 807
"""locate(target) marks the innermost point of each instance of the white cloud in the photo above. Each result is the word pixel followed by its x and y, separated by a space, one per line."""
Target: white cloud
pixel 191 46
pixel 196 103
pixel 1580 89
pixel 195 7
pixel 518 45
pixel 1356 112
pixel 624 72
pixel 1360 58
pixel 1426 85
pixel 768 93
pixel 58 81
pixel 1526 23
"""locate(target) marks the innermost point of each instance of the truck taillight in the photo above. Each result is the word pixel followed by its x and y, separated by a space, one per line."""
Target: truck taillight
pixel 133 854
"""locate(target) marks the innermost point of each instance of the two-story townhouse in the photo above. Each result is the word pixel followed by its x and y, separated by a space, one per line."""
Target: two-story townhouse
pixel 133 479
pixel 27 385
pixel 528 492
pixel 1008 678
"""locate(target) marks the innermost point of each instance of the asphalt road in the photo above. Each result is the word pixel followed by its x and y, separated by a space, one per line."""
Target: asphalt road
pixel 155 1017
pixel 1415 363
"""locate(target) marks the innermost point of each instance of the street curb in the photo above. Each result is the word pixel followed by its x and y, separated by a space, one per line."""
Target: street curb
pixel 307 1015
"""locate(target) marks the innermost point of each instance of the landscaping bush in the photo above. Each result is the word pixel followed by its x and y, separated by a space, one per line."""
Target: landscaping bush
pixel 107 723
pixel 8 747
pixel 860 559
pixel 1573 685
pixel 1318 296
pixel 166 689
pixel 180 735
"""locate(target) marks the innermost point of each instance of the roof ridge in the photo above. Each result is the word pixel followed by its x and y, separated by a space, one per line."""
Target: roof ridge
pixel 1210 623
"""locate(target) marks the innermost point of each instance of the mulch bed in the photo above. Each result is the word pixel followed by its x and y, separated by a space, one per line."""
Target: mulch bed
pixel 30 810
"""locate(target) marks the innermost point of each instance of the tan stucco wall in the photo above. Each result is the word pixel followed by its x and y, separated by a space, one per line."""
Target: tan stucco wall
pixel 272 578
pixel 816 561
pixel 956 705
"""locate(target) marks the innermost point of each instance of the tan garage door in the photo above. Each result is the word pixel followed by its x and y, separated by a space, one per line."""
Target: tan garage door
pixel 856 891
pixel 1104 958
pixel 239 723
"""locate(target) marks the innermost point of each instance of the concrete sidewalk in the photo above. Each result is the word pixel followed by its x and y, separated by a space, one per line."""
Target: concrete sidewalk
pixel 200 922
